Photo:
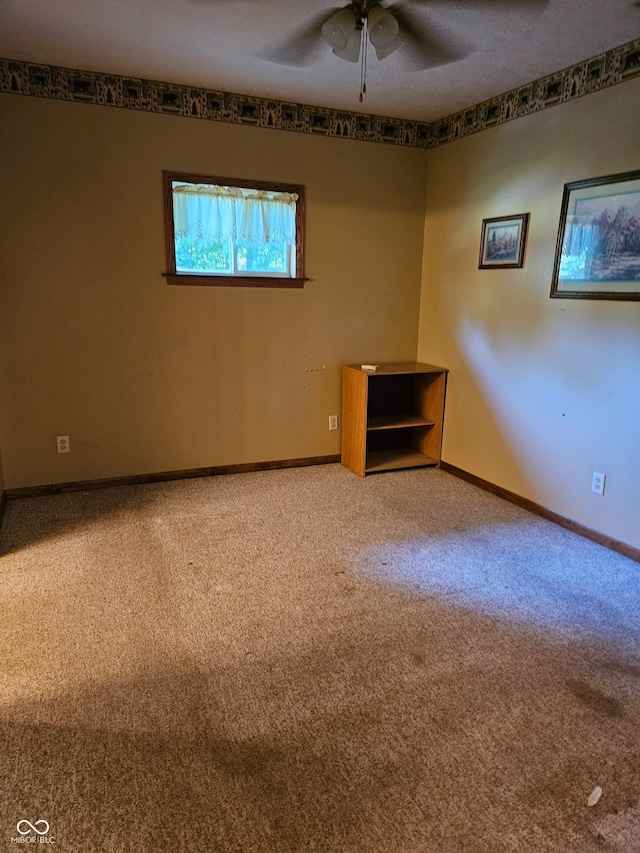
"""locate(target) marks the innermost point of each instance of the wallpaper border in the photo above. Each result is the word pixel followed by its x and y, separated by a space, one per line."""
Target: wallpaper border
pixel 92 87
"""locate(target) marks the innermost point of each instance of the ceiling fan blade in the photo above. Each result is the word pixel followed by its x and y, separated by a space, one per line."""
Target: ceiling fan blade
pixel 219 2
pixel 299 47
pixel 497 4
pixel 427 47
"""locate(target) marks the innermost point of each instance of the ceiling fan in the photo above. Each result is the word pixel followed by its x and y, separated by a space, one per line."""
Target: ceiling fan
pixel 425 40
pixel 349 29
pixel 344 29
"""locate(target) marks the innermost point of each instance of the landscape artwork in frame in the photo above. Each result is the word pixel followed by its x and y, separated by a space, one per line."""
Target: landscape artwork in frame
pixel 598 246
pixel 502 241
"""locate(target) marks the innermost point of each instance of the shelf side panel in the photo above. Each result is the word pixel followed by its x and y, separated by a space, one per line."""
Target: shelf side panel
pixel 429 403
pixel 354 419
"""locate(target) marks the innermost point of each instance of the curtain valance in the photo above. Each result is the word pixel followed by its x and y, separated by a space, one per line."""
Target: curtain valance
pixel 219 213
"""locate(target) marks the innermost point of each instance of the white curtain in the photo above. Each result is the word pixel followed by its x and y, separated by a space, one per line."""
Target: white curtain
pixel 217 212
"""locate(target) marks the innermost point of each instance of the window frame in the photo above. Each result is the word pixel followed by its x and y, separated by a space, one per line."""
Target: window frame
pixel 173 276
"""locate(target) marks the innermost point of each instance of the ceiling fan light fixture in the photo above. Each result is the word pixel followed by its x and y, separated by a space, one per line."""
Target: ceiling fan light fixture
pixel 352 50
pixel 339 29
pixel 383 27
pixel 387 49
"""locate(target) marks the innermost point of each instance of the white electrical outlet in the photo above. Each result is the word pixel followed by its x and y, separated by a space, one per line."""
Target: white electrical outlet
pixel 333 422
pixel 62 443
pixel 597 483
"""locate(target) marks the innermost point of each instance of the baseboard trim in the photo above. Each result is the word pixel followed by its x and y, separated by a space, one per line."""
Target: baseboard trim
pixel 272 465
pixel 538 509
pixel 3 506
pixel 164 476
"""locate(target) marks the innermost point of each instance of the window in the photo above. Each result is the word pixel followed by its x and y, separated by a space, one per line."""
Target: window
pixel 223 231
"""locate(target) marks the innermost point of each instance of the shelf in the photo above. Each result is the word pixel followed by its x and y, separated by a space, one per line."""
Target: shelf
pixel 403 367
pixel 388 460
pixel 398 422
pixel 392 418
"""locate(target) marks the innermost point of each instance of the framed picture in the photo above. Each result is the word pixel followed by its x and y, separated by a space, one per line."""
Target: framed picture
pixel 598 248
pixel 502 241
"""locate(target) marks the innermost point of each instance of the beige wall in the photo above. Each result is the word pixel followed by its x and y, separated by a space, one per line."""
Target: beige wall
pixel 542 392
pixel 2 406
pixel 146 377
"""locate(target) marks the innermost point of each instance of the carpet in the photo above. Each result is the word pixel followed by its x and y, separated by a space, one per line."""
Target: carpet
pixel 304 660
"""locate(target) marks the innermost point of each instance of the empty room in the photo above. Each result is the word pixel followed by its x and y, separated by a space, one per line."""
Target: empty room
pixel 319 426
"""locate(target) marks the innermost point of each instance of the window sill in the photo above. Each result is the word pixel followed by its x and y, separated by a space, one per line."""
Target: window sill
pixel 195 280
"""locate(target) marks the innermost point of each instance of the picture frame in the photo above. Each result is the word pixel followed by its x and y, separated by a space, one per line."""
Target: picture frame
pixel 598 245
pixel 502 241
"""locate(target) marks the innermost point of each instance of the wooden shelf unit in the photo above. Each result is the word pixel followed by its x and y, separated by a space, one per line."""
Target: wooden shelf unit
pixel 392 418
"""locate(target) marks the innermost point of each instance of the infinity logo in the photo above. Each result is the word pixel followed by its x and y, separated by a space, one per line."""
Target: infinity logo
pixel 33 827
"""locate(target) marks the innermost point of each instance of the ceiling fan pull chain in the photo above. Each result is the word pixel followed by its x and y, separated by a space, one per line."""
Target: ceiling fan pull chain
pixel 363 60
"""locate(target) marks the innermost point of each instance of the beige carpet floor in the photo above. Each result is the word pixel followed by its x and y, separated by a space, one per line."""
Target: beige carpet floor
pixel 302 660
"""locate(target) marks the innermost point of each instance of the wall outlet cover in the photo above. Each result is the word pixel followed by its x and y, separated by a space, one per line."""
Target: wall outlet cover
pixel 597 483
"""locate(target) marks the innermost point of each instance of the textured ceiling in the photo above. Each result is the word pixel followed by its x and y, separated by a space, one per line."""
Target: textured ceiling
pixel 223 44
